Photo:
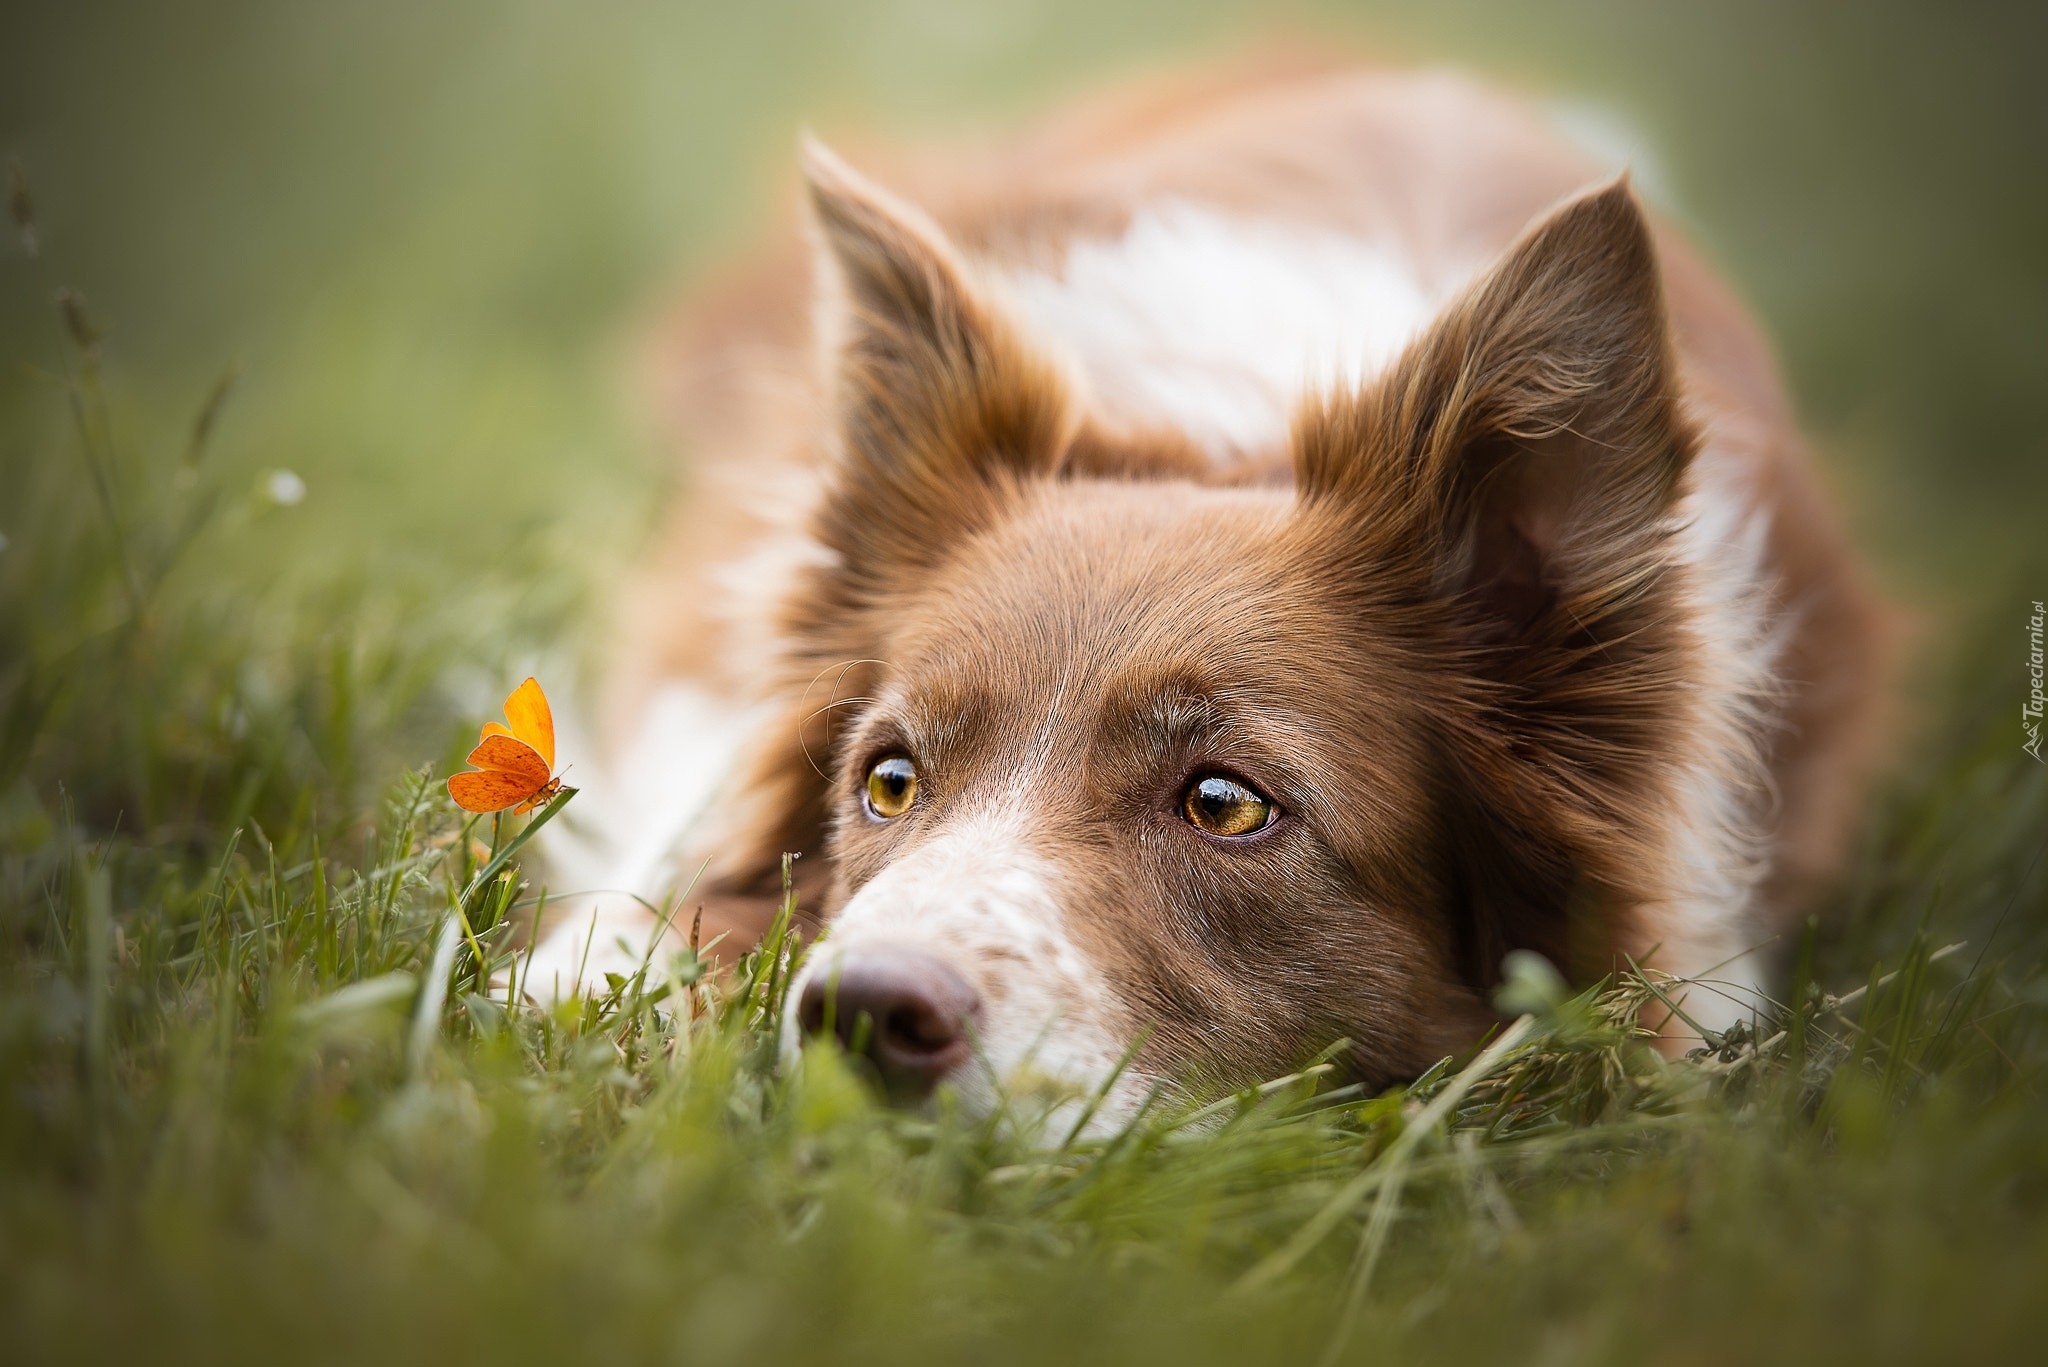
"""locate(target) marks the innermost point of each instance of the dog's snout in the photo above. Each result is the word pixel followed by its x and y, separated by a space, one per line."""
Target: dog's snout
pixel 908 1013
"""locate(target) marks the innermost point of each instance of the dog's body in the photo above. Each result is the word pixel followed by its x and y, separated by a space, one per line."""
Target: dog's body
pixel 1332 453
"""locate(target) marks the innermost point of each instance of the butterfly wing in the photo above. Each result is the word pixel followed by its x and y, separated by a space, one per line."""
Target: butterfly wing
pixel 496 791
pixel 512 772
pixel 532 720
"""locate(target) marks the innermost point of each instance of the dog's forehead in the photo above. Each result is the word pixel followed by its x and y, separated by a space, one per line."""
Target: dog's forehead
pixel 1100 578
pixel 1159 613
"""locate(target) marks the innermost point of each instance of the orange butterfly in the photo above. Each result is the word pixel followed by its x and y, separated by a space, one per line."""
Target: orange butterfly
pixel 517 762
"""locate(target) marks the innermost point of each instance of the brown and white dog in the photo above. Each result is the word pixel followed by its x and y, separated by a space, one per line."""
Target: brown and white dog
pixel 1210 576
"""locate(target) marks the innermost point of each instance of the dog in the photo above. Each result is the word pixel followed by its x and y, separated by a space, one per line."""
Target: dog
pixel 1208 577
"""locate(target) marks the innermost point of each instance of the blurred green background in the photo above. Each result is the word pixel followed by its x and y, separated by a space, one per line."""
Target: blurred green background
pixel 431 235
pixel 431 241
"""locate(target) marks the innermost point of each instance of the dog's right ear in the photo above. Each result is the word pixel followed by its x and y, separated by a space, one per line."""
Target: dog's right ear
pixel 939 407
pixel 939 412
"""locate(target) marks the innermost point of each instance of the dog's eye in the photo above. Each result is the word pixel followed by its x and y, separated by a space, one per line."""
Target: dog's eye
pixel 892 787
pixel 1223 806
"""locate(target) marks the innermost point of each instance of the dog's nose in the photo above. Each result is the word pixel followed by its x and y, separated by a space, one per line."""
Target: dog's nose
pixel 906 1012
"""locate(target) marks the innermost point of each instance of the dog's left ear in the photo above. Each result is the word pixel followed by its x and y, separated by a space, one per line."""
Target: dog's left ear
pixel 1521 457
pixel 939 405
pixel 1503 499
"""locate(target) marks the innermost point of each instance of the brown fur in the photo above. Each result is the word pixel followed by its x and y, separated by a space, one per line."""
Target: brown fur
pixel 1446 629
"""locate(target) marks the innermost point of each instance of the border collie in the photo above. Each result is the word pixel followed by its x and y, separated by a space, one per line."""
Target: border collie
pixel 1210 576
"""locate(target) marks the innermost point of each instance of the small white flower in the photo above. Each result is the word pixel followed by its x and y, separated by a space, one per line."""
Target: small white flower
pixel 285 488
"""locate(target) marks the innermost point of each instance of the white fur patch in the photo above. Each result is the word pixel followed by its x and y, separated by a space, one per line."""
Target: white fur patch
pixel 1216 324
pixel 1711 933
pixel 629 839
pixel 977 897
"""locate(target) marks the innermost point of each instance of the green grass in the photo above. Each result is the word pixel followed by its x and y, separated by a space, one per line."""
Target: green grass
pixel 257 1099
pixel 260 1099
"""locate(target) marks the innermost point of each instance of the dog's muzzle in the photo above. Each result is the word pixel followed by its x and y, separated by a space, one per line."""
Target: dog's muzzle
pixel 909 1015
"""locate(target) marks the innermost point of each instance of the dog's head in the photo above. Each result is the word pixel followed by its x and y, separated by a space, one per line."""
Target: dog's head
pixel 1121 763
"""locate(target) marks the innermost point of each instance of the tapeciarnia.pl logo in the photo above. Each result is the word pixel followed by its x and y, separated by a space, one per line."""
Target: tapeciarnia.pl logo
pixel 2030 710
